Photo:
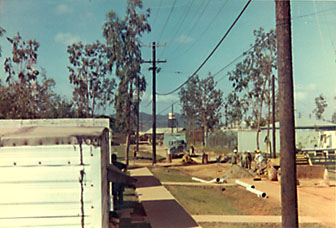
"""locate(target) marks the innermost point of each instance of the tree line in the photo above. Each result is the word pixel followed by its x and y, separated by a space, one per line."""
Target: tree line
pixel 108 73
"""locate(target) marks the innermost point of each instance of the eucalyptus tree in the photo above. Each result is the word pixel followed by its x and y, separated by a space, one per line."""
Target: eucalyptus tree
pixel 28 92
pixel 251 79
pixel 234 108
pixel 124 51
pixel 93 89
pixel 321 105
pixel 201 102
pixel 2 31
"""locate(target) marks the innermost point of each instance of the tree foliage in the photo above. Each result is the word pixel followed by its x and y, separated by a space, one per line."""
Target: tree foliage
pixel 2 32
pixel 123 43
pixel 201 102
pixel 88 73
pixel 251 79
pixel 321 104
pixel 28 92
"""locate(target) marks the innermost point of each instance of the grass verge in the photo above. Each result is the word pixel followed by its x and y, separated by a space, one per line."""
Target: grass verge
pixel 222 201
pixel 169 174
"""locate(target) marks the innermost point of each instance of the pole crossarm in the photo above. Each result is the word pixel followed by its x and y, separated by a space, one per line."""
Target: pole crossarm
pixel 153 68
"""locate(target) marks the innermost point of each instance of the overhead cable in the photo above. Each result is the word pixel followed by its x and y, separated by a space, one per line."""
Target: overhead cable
pixel 212 52
pixel 164 26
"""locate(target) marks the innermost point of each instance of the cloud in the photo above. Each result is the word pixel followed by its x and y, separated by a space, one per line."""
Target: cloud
pixel 169 99
pixel 304 91
pixel 66 38
pixel 300 96
pixel 184 39
pixel 63 9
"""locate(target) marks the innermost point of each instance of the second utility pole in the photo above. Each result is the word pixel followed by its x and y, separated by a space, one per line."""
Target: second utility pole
pixel 289 206
pixel 153 68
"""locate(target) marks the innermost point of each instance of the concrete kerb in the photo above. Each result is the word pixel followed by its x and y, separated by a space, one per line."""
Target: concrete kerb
pixel 161 208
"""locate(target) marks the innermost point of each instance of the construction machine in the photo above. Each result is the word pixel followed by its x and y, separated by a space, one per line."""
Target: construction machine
pixel 305 170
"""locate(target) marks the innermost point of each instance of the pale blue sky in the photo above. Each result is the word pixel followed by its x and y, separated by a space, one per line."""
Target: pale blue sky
pixel 192 31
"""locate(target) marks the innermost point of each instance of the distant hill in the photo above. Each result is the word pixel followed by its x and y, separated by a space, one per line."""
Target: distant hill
pixel 161 121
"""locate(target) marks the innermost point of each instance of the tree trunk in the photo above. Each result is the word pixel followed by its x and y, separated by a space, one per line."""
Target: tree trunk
pixel 260 113
pixel 129 124
pixel 128 142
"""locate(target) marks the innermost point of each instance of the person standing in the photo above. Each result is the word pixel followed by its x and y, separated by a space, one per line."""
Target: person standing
pixel 118 188
pixel 258 160
pixel 243 160
pixel 234 157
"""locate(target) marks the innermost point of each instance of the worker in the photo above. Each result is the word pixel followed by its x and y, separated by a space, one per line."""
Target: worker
pixel 258 160
pixel 169 154
pixel 249 159
pixel 118 188
pixel 234 157
pixel 192 150
pixel 243 160
pixel 114 220
pixel 134 153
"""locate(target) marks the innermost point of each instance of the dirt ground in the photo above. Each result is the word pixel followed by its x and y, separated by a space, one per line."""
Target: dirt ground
pixel 317 202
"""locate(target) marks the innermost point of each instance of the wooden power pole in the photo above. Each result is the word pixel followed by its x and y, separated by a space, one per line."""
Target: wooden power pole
pixel 287 122
pixel 153 68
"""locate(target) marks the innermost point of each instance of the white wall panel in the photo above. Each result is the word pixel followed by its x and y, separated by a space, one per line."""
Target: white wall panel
pixel 40 186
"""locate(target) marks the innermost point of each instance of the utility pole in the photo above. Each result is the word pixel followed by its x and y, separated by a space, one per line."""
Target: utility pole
pixel 287 123
pixel 273 118
pixel 137 116
pixel 153 68
pixel 173 119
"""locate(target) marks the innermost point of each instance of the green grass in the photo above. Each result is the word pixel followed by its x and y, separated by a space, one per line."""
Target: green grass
pixel 254 225
pixel 215 201
pixel 197 200
pixel 212 200
pixel 169 175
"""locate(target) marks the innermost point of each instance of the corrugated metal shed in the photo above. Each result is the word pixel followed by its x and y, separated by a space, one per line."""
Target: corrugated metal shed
pixel 54 176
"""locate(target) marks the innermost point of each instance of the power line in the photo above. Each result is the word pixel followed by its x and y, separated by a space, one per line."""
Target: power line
pixel 233 61
pixel 207 27
pixel 167 107
pixel 170 13
pixel 200 16
pixel 182 21
pixel 212 52
pixel 202 34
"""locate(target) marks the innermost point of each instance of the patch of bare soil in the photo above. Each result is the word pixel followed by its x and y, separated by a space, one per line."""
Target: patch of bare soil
pixel 215 170
pixel 206 171
pixel 236 172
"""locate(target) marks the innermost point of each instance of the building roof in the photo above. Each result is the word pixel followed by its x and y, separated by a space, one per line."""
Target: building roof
pixel 309 124
pixel 162 130
pixel 17 136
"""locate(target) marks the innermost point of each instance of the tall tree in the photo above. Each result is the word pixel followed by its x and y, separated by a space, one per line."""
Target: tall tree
pixel 92 88
pixel 2 31
pixel 123 42
pixel 201 102
pixel 26 95
pixel 251 76
pixel 321 104
pixel 234 108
